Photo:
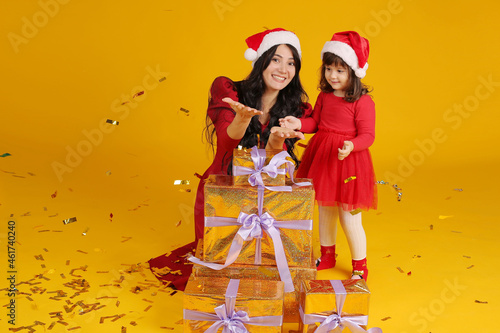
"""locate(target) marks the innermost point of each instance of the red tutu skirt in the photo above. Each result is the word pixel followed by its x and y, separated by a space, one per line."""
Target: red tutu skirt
pixel 350 183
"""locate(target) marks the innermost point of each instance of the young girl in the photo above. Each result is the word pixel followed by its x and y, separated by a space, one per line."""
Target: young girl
pixel 337 157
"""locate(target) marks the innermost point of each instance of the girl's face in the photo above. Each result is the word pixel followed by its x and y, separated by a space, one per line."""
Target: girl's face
pixel 338 78
pixel 281 69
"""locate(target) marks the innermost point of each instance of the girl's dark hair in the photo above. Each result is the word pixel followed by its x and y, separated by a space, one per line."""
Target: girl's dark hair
pixel 355 88
pixel 288 103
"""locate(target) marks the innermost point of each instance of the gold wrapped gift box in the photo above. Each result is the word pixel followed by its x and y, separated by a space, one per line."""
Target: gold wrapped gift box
pixel 318 297
pixel 264 272
pixel 243 158
pixel 224 199
pixel 256 298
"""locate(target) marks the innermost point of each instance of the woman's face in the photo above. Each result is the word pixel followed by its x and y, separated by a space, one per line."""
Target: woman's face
pixel 281 69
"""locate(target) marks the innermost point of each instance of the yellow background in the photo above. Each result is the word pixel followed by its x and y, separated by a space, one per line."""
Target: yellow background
pixel 68 66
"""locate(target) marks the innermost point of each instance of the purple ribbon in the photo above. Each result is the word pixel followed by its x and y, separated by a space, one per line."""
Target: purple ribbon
pixel 227 317
pixel 259 158
pixel 329 323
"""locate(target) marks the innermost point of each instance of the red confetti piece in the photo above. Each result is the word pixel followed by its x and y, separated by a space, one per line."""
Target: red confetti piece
pixel 138 94
pixel 53 195
pixel 409 273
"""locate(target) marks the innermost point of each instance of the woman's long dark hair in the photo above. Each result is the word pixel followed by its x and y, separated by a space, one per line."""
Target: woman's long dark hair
pixel 288 103
pixel 355 88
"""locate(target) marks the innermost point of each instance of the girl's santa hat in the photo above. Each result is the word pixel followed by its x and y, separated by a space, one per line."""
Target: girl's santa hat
pixel 352 48
pixel 263 41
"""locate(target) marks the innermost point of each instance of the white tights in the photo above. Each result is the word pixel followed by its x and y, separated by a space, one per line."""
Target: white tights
pixel 351 224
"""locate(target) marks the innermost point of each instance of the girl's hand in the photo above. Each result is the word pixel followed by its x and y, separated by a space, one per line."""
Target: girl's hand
pixel 243 111
pixel 279 134
pixel 345 150
pixel 291 122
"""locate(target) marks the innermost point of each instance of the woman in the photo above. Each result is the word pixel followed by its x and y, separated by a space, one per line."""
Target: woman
pixel 246 113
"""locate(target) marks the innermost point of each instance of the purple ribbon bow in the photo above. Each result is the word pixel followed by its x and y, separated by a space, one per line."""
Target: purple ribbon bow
pixel 329 323
pixel 259 158
pixel 227 317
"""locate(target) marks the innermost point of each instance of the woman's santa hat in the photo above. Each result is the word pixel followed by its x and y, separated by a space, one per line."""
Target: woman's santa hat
pixel 263 41
pixel 352 48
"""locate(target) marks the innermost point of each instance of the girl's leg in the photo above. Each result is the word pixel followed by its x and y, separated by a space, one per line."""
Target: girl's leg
pixel 356 238
pixel 328 216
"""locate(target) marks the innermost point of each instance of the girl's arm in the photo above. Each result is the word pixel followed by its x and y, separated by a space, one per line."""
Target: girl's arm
pixel 364 118
pixel 308 123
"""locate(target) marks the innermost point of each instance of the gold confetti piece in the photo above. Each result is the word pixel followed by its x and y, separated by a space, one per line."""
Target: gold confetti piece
pixel 63 276
pixel 112 122
pixel 147 300
pixel 167 328
pixel 51 326
pixel 181 182
pixel 108 173
pixel 53 195
pixel 179 322
pixel 480 302
pixel 173 293
pixel 347 180
pixel 447 198
pixel 67 262
pixel 414 230
pixel 117 303
pixel 45 230
pixel 18 176
pixel 39 257
pixel 73 328
pixel 443 217
pixel 385 318
pixel 466 257
pixel 400 270
pixel 126 239
pixel 431 227
pixel 188 190
pixel 124 329
pixel 184 110
pixel 147 309
pixel 470 266
pixel 457 232
pixel 387 256
pixel 82 251
pixel 162 79
pixel 70 220
pixel 54 215
pixel 27 214
pixel 416 256
pixel 178 223
pixel 138 94
pixel 458 189
pixel 356 211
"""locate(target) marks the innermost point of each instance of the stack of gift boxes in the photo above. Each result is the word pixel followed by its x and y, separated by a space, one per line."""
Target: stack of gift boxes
pixel 254 269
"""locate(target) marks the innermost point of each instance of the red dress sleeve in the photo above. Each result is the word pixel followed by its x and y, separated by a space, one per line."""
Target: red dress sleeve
pixel 221 113
pixel 310 123
pixel 364 118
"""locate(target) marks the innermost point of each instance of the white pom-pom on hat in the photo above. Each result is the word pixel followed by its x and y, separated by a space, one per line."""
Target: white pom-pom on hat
pixel 352 48
pixel 263 41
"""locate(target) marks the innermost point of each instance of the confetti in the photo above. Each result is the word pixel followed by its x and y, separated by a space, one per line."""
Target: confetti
pixel 181 182
pixel 399 191
pixel 126 239
pixel 138 94
pixel 124 329
pixel 466 257
pixel 84 233
pixel 385 318
pixel 457 189
pixel 300 144
pixel 108 173
pixel 147 309
pixel 443 217
pixel 356 211
pixel 387 256
pixel 416 256
pixel 162 79
pixel 185 111
pixel 70 220
pixel 409 273
pixel 82 251
pixel 400 270
pixel 470 266
pixel 185 190
pixel 5 155
pixel 167 328
pixel 480 302
pixel 347 180
pixel 53 195
pixel 431 227
pixel 178 223
pixel 112 122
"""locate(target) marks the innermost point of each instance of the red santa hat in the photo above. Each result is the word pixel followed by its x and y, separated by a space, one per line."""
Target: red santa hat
pixel 263 41
pixel 352 48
